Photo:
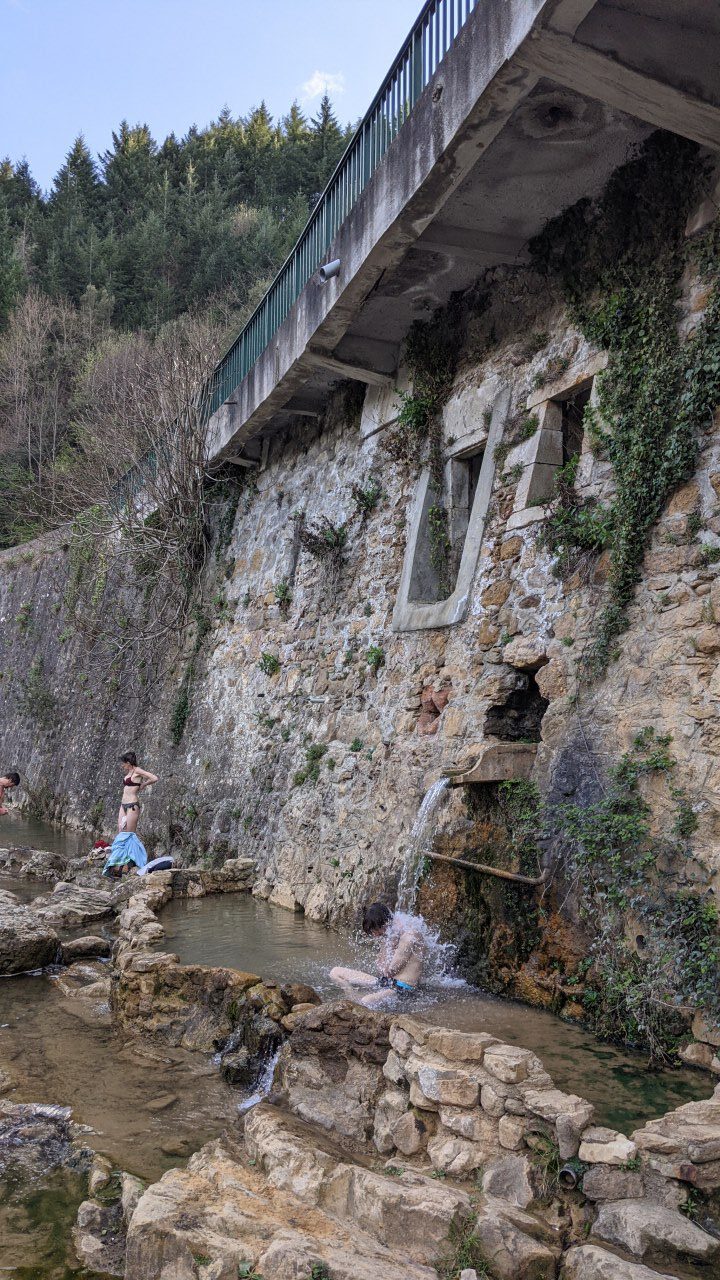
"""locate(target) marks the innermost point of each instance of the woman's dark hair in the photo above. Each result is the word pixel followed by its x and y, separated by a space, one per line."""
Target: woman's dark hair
pixel 375 917
pixel 129 758
pixel 14 778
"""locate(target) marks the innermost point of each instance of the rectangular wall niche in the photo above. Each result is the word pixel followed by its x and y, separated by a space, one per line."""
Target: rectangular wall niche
pixel 557 439
pixel 434 589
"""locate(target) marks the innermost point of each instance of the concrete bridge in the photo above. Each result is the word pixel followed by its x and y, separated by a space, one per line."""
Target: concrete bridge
pixel 496 115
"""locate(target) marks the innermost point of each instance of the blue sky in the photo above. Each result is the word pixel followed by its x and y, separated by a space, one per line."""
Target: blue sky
pixel 80 66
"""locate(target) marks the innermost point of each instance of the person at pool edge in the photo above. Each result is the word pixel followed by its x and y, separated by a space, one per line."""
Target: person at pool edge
pixel 7 782
pixel 400 960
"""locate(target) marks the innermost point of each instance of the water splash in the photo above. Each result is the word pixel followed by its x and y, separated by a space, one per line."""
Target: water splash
pixel 418 845
pixel 264 1084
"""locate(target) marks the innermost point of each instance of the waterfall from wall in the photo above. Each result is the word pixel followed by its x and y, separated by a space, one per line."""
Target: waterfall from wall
pixel 418 844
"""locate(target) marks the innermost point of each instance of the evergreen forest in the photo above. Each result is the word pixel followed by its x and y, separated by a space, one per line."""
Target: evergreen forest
pixel 151 250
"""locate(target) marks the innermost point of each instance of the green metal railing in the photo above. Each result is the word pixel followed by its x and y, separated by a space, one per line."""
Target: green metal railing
pixel 418 60
pixel 426 46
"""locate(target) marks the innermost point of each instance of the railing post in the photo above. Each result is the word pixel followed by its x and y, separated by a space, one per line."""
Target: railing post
pixel 416 79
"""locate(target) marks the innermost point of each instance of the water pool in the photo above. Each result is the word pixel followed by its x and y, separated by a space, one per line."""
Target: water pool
pixel 241 932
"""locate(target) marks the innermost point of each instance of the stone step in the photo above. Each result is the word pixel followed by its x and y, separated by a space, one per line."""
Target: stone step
pixel 204 1221
pixel 410 1211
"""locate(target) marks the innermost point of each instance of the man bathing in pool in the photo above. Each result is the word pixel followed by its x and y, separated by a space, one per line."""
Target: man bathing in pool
pixel 400 960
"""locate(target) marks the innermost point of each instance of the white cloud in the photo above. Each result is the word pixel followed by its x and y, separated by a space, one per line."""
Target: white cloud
pixel 321 82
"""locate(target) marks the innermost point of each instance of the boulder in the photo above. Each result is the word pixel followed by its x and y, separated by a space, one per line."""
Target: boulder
pixel 441 1083
pixel 474 1124
pixel 590 1262
pixel 654 1232
pixel 517 1246
pixel 98 1238
pixel 71 906
pixel 87 948
pixel 26 940
pixel 509 1064
pixel 131 1189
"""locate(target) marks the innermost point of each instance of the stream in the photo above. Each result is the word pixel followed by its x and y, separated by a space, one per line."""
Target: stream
pixel 148 1108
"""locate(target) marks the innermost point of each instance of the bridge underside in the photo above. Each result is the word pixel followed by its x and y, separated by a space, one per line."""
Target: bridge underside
pixel 490 153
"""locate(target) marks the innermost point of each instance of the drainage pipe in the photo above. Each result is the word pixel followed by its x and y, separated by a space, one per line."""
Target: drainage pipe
pixel 489 871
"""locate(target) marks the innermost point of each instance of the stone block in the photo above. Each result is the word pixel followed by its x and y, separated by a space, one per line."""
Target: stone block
pixel 605 1182
pixel 418 1098
pixel 459 1046
pixel 705 1030
pixel 394 1067
pixel 513 1239
pixel 526 653
pixel 411 1133
pixel 509 1064
pixel 511 1132
pixel 492 1100
pixel 443 1084
pixel 606 1146
pixel 475 1125
pixel 510 1178
pixel 391 1107
pixel 455 1156
pixel 550 1104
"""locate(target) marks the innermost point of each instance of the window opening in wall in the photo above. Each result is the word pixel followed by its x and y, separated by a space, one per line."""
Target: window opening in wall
pixel 519 717
pixel 573 415
pixel 443 528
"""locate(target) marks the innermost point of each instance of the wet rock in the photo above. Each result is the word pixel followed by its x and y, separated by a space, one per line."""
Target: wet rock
pixel 98 1237
pixel 85 949
pixel 295 993
pixel 654 1233
pixel 131 1189
pixel 70 906
pixel 36 1138
pixel 239 1068
pixel 162 1103
pixel 330 1070
pixel 589 1262
pixel 26 940
pixel 100 1174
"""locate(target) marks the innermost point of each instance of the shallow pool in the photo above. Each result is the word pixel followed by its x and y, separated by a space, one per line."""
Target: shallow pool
pixel 17 832
pixel 241 932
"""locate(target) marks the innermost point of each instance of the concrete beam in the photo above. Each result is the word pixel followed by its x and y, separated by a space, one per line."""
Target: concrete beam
pixel 346 370
pixel 596 75
pixel 483 247
pixel 569 14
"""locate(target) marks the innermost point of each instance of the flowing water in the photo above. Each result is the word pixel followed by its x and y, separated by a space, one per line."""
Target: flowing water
pixel 243 933
pixel 419 844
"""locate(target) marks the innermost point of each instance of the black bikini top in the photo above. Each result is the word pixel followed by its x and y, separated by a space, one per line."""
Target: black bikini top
pixel 128 782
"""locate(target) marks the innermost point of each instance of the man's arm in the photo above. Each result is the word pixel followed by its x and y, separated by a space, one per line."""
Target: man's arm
pixel 404 951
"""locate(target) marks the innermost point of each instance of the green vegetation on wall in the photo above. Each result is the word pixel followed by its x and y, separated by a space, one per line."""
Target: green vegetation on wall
pixel 619 263
pixel 655 949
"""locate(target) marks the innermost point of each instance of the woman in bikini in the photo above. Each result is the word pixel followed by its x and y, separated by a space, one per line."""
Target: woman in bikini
pixel 127 849
pixel 134 781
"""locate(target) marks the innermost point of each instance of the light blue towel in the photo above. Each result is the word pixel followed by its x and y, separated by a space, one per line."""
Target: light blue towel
pixel 126 847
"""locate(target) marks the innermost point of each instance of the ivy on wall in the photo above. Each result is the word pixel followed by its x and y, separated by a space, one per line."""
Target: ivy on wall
pixel 619 263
